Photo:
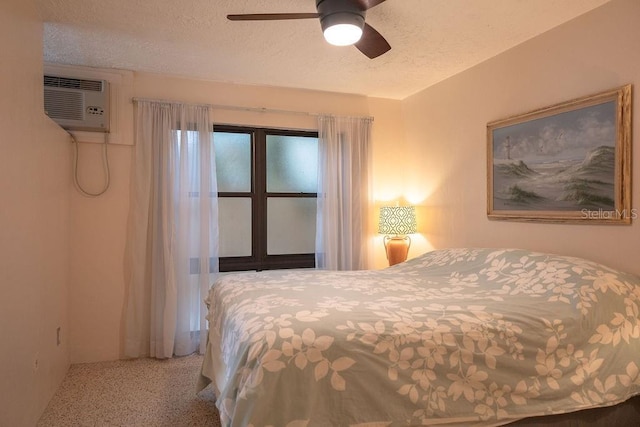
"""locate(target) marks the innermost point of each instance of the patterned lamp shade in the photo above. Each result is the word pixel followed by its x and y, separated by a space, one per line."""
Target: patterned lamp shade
pixel 397 220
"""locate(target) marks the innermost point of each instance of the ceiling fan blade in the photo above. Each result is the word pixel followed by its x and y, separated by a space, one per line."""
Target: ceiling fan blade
pixel 368 4
pixel 372 44
pixel 271 16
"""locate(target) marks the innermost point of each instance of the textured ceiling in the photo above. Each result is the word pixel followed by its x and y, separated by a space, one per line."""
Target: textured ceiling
pixel 431 40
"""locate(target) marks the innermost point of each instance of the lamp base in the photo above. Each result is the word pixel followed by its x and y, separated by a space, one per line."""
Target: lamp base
pixel 397 248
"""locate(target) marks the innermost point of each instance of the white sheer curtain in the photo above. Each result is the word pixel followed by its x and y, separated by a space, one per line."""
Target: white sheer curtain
pixel 344 157
pixel 172 243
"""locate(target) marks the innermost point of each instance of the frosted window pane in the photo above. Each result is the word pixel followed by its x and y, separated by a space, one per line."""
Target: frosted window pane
pixel 235 226
pixel 233 161
pixel 291 225
pixel 292 164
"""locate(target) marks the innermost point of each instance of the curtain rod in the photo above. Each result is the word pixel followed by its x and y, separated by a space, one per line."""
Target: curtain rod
pixel 237 108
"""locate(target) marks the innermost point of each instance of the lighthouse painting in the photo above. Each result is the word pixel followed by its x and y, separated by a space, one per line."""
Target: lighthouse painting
pixel 563 162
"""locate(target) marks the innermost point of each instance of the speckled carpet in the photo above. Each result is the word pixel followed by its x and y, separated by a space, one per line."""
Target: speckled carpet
pixel 140 393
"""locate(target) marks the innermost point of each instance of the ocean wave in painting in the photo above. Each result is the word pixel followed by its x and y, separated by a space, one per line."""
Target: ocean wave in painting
pixel 586 183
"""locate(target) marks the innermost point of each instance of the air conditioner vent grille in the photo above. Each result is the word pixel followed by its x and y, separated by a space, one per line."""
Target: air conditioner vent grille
pixel 70 83
pixel 64 105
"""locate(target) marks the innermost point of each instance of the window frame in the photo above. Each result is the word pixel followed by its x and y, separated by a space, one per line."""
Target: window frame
pixel 259 258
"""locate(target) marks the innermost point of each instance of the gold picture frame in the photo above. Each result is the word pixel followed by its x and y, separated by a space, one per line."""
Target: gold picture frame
pixel 567 163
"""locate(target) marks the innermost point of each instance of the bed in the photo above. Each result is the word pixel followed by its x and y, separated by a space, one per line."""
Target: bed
pixel 453 337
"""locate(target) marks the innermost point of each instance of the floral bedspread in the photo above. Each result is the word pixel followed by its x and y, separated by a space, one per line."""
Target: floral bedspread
pixel 454 337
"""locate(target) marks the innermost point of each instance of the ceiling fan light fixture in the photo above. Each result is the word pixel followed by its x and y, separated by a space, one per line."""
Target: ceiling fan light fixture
pixel 342 29
pixel 342 22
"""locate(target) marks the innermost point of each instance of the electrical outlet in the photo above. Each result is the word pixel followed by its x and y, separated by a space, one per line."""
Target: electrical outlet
pixel 58 336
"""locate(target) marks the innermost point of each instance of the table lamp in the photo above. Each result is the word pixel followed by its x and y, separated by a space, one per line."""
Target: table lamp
pixel 396 222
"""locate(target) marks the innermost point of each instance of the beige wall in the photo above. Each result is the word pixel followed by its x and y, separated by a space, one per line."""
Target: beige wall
pixel 389 172
pixel 34 225
pixel 446 127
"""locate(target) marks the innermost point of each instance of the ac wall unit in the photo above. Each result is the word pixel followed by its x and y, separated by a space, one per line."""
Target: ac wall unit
pixel 77 104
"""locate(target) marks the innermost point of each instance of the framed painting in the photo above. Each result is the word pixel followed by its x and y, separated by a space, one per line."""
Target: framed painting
pixel 569 162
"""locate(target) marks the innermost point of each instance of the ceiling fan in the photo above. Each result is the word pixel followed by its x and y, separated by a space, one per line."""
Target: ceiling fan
pixel 342 21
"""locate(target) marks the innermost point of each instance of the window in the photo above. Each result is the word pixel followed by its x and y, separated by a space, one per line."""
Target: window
pixel 267 190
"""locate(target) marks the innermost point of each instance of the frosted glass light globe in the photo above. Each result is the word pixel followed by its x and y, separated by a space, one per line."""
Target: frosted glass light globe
pixel 343 34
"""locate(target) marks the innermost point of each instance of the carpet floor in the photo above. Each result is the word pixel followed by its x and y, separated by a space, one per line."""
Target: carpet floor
pixel 132 393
